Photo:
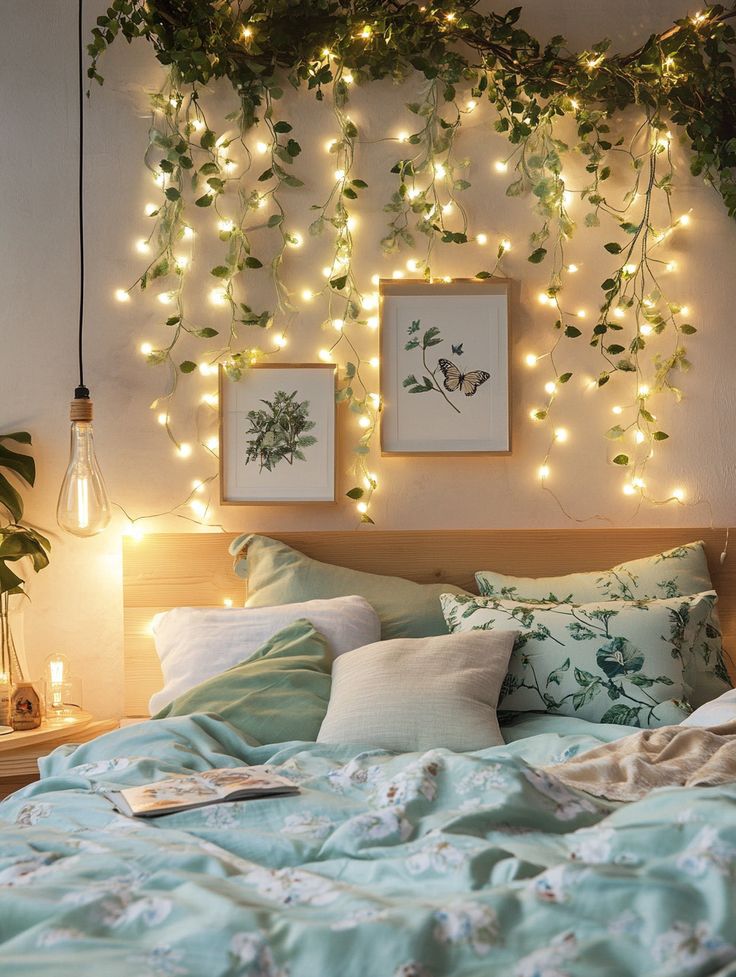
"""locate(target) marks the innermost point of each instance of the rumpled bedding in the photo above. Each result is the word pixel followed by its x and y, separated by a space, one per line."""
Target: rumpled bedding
pixel 671 756
pixel 411 865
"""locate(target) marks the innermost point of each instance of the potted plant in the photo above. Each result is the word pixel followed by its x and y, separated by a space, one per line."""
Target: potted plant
pixel 17 541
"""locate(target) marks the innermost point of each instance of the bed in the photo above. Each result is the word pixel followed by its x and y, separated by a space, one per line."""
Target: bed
pixel 409 865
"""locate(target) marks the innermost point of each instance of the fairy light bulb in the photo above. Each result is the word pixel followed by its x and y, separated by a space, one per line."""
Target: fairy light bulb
pixel 440 171
pixel 213 443
pixel 121 295
pixel 362 508
pixel 163 419
pixel 628 489
pixel 678 494
pixel 262 147
pixel 295 239
pixel 543 298
pixel 543 472
pixel 572 269
pixel 372 322
pixel 619 313
pixel 211 400
pixel 330 145
pixel 640 437
pixel 684 221
pixel 398 273
pixel 500 166
pixel 146 349
pixel 481 238
pixel 617 410
pixel 218 296
pixel 198 507
pixel 184 450
pixel 307 294
pixel 325 355
pixel 505 244
pixel 150 209
pixel 374 362
pixel 197 125
pixel 280 340
pixel 142 246
pixel 471 105
pixel 226 226
pixel 83 507
pixel 638 483
pixel 181 262
pixel 227 602
pixel 561 434
pixel 530 359
pixel 629 269
pixel 643 390
pixel 339 175
pixel 338 324
pixel 364 422
pixel 187 233
pixel 550 387
pixel 165 298
pixel 671 266
pixel 645 329
pixel 348 78
pixel 581 313
pixel 402 137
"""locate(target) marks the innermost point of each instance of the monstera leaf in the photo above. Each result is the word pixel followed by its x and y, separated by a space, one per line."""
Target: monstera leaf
pixel 619 657
pixel 22 465
pixel 17 541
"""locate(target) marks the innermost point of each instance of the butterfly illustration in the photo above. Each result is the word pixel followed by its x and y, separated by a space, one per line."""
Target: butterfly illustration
pixel 467 382
pixel 457 350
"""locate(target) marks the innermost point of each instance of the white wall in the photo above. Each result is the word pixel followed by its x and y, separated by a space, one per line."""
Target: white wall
pixel 76 603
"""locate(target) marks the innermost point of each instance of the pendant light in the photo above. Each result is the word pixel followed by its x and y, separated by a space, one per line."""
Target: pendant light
pixel 83 507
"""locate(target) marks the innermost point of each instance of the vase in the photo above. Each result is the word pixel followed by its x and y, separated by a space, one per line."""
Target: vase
pixel 25 707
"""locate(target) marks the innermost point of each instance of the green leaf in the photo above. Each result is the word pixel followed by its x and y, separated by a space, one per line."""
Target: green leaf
pixel 555 676
pixel 9 582
pixel 172 193
pixel 660 436
pixel 687 329
pixel 20 437
pixel 206 333
pixel 203 201
pixel 537 256
pixel 564 377
pixel 282 127
pixel 355 493
pixel 22 465
pixel 621 460
pixel 251 262
pixel 10 498
pixel 572 331
pixel 613 248
pixel 221 271
pixel 621 715
pixel 187 366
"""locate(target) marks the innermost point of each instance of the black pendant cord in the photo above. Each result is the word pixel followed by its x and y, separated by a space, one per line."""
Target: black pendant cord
pixel 81 391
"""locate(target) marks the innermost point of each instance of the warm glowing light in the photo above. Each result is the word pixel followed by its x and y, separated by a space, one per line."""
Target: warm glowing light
pixel 403 136
pixel 550 387
pixel 471 104
pixel 530 359
pixel 197 125
pixel 339 174
pixel 351 223
pixel 398 273
pixel 671 266
pixel 325 355
pixel 226 226
pixel 372 322
pixel 348 78
pixel 364 421
pixel 187 233
pixel 307 294
pixel 146 349
pixel 440 171
pixel 163 419
pixel 159 179
pixel 543 298
pixel 643 390
pixel 506 244
pixel 447 208
pixel 230 166
pixel 411 265
pixel 640 437
pixel 165 298
pixel 366 32
pixel 561 434
pixel 628 489
pixel 295 239
pixel 338 324
pixel 543 472
pixel 121 295
pixel 213 443
pixel 500 166
pixel 581 313
pixel 184 450
pixel 247 33
pixel 262 147
pixel 629 269
pixel 330 145
pixel 199 508
pixel 375 279
pixel 412 193
pixel 685 310
pixel 572 269
pixel 218 296
pixel 181 262
pixel 210 399
pixel 198 486
pixel 638 483
pixel 135 532
pixel 142 246
pixel 375 399
pixel 617 410
pixel 679 494
pixel 370 301
pixel 207 369
pixel 362 508
pixel 280 340
pixel 619 313
pixel 645 329
pixel 150 209
pixel 481 238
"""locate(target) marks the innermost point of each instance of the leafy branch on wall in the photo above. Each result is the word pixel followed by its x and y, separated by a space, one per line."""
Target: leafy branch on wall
pixel 681 79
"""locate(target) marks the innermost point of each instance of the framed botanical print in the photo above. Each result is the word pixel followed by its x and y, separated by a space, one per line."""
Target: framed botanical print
pixel 445 367
pixel 277 435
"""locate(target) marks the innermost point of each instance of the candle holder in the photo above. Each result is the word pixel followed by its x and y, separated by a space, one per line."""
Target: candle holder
pixel 63 691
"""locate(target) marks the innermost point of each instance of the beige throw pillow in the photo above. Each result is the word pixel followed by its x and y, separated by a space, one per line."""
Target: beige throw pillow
pixel 412 694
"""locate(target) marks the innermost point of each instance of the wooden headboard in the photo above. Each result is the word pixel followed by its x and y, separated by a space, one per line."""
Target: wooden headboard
pixel 195 569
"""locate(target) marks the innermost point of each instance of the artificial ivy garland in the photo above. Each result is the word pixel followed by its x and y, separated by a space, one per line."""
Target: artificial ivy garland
pixel 683 77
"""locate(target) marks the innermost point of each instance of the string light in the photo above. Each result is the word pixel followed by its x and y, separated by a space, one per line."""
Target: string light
pixel 163 419
pixel 364 421
pixel 500 166
pixel 187 233
pixel 581 313
pixel 307 294
pixel 530 359
pixel 213 443
pixel 561 434
pixel 348 78
pixel 225 226
pixel 471 105
pixel 678 494
pixel 645 329
pixel 247 33
pixel 121 295
pixel 628 488
pixel 375 279
pixel 146 349
pixel 505 244
pixel 338 324
pixel 228 602
pixel 184 450
pixel 671 266
pixel 617 410
pixel 218 296
pixel 150 209
pixel 374 362
pixel 481 238
pixel 372 322
pixel 211 400
pixel 643 390
pixel 550 387
pixel 295 239
pixel 197 125
pixel 640 437
pixel 207 369
pixel 619 312
pixel 402 137
pixel 362 508
pixel 572 269
pixel 181 262
pixel 544 299
pixel 543 472
pixel 142 246
pixel 198 507
pixel 325 355
pixel 165 298
pixel 280 340
pixel 262 147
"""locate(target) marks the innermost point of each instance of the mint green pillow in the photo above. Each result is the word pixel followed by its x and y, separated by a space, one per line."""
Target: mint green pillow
pixel 279 694
pixel 606 661
pixel 278 574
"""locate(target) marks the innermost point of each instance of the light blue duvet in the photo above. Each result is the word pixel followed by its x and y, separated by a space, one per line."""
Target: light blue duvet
pixel 417 865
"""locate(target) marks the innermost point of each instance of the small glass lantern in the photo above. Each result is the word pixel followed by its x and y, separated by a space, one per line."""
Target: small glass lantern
pixel 63 690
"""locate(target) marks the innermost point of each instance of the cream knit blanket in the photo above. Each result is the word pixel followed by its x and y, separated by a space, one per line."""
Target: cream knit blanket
pixel 672 756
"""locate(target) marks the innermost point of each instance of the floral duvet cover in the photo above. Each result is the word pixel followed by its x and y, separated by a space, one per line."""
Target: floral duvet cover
pixel 413 865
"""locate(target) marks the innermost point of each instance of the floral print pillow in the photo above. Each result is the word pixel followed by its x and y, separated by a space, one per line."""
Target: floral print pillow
pixel 674 573
pixel 607 662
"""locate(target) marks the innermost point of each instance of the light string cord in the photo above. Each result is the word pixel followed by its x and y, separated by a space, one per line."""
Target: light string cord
pixel 81 390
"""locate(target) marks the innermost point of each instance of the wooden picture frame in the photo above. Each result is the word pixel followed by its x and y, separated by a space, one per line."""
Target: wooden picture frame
pixel 417 417
pixel 280 473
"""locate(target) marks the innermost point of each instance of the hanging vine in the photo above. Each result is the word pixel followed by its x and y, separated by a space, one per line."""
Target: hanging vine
pixel 683 77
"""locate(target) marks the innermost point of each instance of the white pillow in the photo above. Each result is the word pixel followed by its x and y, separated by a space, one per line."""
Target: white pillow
pixel 195 643
pixel 715 712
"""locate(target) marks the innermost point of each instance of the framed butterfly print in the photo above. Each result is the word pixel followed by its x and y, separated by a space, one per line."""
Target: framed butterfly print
pixel 445 367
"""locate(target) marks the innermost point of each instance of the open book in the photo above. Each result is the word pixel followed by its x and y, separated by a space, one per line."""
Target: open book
pixel 200 789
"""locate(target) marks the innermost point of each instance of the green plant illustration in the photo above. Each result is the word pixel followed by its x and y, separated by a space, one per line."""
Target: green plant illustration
pixel 17 541
pixel 278 432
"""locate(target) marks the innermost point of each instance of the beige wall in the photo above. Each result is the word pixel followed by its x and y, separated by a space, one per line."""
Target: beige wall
pixel 76 603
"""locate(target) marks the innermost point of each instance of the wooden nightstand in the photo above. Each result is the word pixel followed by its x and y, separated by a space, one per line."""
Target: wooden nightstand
pixel 20 751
